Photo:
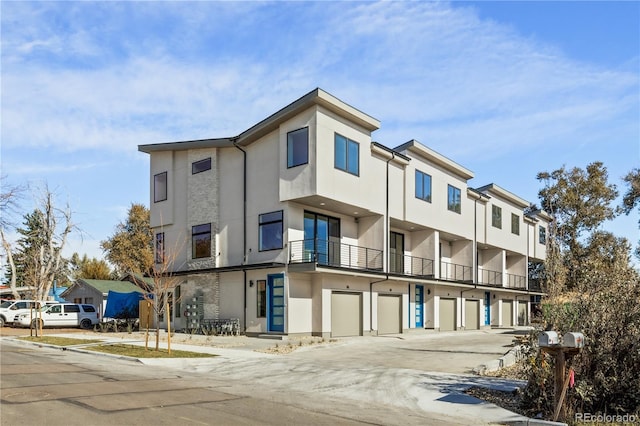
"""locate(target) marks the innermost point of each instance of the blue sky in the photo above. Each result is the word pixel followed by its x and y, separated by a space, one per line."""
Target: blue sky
pixel 507 89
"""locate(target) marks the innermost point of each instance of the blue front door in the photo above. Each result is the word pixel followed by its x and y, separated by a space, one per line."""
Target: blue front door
pixel 487 308
pixel 275 296
pixel 419 306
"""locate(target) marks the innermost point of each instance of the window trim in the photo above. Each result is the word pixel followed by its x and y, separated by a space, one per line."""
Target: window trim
pixel 193 245
pixel 449 204
pixel 346 159
pixel 496 216
pixel 159 254
pixel 195 164
pixel 270 222
pixel 157 199
pixel 290 165
pixel 515 230
pixel 423 175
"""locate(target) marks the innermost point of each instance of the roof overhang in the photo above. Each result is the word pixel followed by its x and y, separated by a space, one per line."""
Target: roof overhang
pixel 502 193
pixel 428 154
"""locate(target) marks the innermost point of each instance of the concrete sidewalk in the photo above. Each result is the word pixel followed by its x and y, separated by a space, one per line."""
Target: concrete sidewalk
pixel 424 372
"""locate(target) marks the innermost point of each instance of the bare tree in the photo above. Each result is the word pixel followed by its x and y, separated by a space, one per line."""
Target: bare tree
pixel 10 196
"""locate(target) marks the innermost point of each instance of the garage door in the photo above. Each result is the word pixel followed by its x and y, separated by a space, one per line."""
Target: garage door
pixel 389 314
pixel 522 313
pixel 472 314
pixel 447 314
pixel 507 313
pixel 346 314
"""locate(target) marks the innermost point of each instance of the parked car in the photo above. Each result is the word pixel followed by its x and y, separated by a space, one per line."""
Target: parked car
pixel 60 315
pixel 9 309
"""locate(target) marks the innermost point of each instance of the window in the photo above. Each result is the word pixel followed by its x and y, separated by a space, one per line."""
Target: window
pixel 454 199
pixel 89 308
pixel 55 309
pixel 201 241
pixel 201 166
pixel 270 230
pixel 160 247
pixel 496 216
pixel 160 187
pixel 423 186
pixel 71 308
pixel 77 300
pixel 262 298
pixel 88 300
pixel 176 300
pixel 542 235
pixel 515 224
pixel 298 147
pixel 347 155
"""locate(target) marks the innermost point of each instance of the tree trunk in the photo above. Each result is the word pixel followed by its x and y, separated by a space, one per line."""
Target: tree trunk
pixel 12 265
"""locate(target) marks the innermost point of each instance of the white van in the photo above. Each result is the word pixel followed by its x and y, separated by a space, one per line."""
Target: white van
pixel 10 308
pixel 60 315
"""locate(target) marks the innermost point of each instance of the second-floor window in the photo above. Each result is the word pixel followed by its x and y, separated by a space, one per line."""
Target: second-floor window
pixel 160 187
pixel 454 199
pixel 542 235
pixel 270 231
pixel 423 186
pixel 496 216
pixel 201 241
pixel 347 155
pixel 515 224
pixel 201 166
pixel 160 247
pixel 298 147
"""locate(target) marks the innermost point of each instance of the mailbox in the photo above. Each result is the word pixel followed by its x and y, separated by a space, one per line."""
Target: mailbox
pixel 573 339
pixel 548 338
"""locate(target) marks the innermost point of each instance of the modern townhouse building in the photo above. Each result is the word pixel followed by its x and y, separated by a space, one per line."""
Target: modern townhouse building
pixel 304 225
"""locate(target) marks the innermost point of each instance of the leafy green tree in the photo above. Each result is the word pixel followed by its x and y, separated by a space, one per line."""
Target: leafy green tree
pixel 83 267
pixel 130 248
pixel 631 198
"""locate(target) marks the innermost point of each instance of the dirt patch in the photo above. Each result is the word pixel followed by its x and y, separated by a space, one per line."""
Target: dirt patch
pixel 291 345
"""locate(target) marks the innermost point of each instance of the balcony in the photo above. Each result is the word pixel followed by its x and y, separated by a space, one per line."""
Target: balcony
pixel 455 272
pixel 411 266
pixel 488 277
pixel 335 254
pixel 516 281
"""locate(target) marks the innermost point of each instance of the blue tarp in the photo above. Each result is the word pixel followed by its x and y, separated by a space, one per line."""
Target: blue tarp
pixel 123 305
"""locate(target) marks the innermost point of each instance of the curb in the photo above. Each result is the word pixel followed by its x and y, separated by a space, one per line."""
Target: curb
pixel 506 360
pixel 77 349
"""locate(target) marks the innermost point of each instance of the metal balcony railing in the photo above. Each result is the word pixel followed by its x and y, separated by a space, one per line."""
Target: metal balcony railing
pixel 411 266
pixel 488 277
pixel 516 281
pixel 335 254
pixel 455 272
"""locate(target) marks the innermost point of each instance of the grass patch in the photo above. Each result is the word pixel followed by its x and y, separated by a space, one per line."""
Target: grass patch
pixel 59 341
pixel 141 352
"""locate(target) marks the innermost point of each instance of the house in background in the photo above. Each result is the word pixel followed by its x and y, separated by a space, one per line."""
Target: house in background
pixel 95 292
pixel 303 224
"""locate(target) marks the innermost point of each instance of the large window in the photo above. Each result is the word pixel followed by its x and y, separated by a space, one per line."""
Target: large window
pixel 515 224
pixel 454 199
pixel 201 241
pixel 262 298
pixel 201 166
pixel 496 216
pixel 423 186
pixel 542 235
pixel 160 247
pixel 347 155
pixel 270 231
pixel 160 187
pixel 298 147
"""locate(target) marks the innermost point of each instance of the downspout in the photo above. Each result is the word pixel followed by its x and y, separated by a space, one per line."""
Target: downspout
pixel 244 229
pixel 386 249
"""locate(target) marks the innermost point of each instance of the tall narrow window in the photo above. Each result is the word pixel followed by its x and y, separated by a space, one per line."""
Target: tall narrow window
pixel 160 187
pixel 496 216
pixel 347 155
pixel 423 186
pixel 201 241
pixel 270 231
pixel 542 235
pixel 515 224
pixel 176 300
pixel 454 199
pixel 262 298
pixel 160 247
pixel 298 147
pixel 201 166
